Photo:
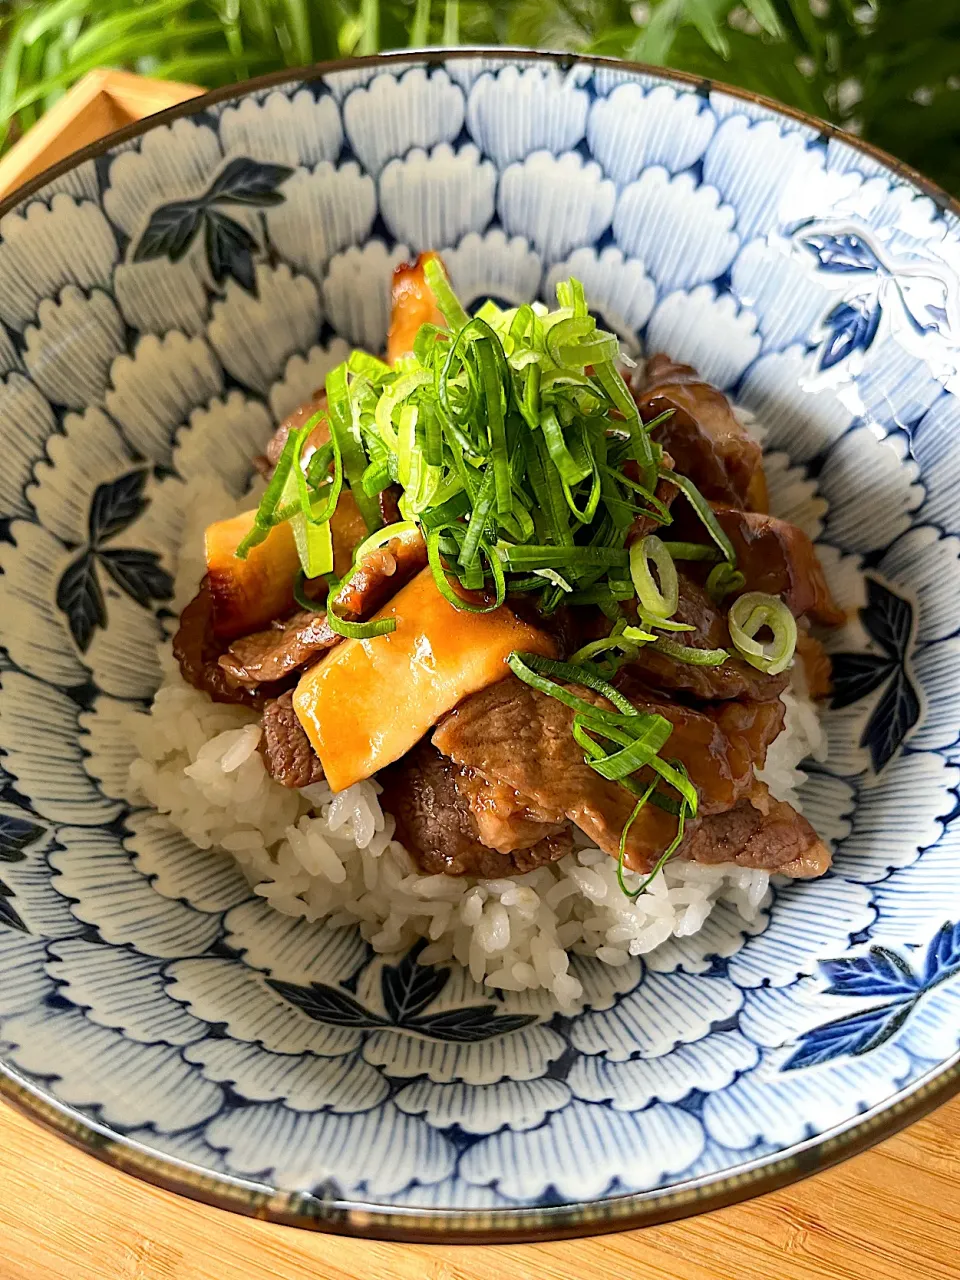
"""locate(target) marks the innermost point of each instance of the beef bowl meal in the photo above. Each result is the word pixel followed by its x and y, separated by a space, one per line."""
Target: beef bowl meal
pixel 479 694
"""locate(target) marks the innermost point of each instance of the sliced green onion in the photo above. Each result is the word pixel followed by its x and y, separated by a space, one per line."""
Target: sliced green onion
pixel 482 510
pixel 638 636
pixel 372 368
pixel 551 575
pixel 347 442
pixel 748 615
pixel 570 294
pixel 443 582
pixel 314 542
pixel 660 601
pixel 492 387
pixel 678 778
pixel 318 468
pixel 359 630
pixel 603 594
pixel 300 595
pixel 534 556
pixel 534 670
pixel 662 624
pixel 642 800
pixel 690 551
pixel 448 302
pixel 704 512
pixel 612 643
pixel 722 580
pixel 278 494
pixel 402 529
pixel 664 858
pixel 639 735
pixel 609 379
pixel 691 656
pixel 571 471
pixel 639 753
pixel 447 511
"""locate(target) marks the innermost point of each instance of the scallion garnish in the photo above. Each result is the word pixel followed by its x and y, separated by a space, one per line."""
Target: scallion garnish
pixel 659 600
pixel 722 580
pixel 523 462
pixel 750 614
pixel 617 744
pixel 691 551
pixel 704 512
pixel 688 654
pixel 517 427
pixel 358 630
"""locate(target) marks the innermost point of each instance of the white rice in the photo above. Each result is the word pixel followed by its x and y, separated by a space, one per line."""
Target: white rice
pixel 319 855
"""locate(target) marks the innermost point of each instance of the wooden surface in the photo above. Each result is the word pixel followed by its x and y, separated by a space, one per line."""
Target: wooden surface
pixel 99 103
pixel 890 1214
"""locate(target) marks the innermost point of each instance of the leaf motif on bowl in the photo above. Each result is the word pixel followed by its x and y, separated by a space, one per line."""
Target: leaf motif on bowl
pixel 9 915
pixel 229 246
pixel 15 835
pixel 138 573
pixel 407 990
pixel 881 972
pixel 888 618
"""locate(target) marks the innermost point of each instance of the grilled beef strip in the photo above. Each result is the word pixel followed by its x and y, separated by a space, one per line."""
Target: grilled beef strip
pixel 439 829
pixel 287 754
pixel 777 557
pixel 760 833
pixel 198 652
pixel 516 737
pixel 702 434
pixel 734 678
pixel 279 652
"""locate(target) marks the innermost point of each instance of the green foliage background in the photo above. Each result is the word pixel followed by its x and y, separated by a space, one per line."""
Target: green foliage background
pixel 888 69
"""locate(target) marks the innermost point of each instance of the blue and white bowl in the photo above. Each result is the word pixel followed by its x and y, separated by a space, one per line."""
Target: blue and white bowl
pixel 166 297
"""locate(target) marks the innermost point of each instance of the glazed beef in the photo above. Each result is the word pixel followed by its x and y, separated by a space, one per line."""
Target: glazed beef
pixel 505 820
pixel 734 678
pixel 198 652
pixel 702 434
pixel 266 657
pixel 293 422
pixel 816 666
pixel 519 739
pixel 380 575
pixel 760 833
pixel 514 736
pixel 437 826
pixel 777 557
pixel 286 749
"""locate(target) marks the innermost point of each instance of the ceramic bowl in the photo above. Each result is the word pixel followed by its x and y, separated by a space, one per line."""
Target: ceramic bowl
pixel 166 297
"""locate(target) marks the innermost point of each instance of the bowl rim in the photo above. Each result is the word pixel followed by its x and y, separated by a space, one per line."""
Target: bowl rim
pixel 622 1212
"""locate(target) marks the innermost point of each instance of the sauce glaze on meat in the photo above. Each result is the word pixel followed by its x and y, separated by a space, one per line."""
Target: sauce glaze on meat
pixel 494 789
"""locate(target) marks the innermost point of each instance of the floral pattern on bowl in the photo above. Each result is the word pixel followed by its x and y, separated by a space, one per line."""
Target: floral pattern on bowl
pixel 169 298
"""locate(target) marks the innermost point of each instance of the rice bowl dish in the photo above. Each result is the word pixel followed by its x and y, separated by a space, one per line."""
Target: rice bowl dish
pixel 329 1002
pixel 314 856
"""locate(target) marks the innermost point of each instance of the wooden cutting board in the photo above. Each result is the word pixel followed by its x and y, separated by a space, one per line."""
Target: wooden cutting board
pixel 891 1214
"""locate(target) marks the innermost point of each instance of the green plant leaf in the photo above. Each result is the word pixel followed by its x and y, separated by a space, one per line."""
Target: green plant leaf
pixel 451 22
pixel 764 13
pixel 95 37
pixel 51 17
pixel 703 15
pixel 369 41
pixel 420 26
pixel 885 65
